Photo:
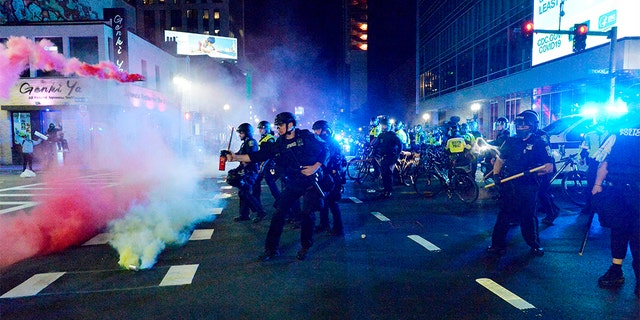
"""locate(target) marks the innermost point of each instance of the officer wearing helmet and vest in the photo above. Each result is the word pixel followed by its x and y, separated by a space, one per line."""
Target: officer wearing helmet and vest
pixel 247 173
pixel 501 129
pixel 545 198
pixel 387 147
pixel 374 132
pixel 300 154
pixel 520 154
pixel 335 170
pixel 267 170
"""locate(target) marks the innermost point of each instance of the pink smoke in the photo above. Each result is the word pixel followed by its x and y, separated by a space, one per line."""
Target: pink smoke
pixel 20 52
pixel 74 213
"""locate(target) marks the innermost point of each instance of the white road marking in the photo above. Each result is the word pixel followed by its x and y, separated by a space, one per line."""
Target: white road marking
pixel 226 187
pixel 201 234
pixel 505 294
pixel 179 275
pixel 380 216
pixel 216 211
pixel 222 196
pixel 423 242
pixel 101 238
pixel 18 205
pixel 33 285
pixel 355 200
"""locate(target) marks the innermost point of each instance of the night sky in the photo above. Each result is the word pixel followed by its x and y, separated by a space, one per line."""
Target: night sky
pixel 310 32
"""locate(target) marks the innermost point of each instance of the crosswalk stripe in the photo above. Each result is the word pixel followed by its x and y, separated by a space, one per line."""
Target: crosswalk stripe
pixel 19 205
pixel 423 242
pixel 33 285
pixel 201 234
pixel 216 211
pixel 179 275
pixel 222 196
pixel 226 187
pixel 355 200
pixel 505 294
pixel 380 216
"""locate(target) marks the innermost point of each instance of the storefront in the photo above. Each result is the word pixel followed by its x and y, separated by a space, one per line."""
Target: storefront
pixel 81 111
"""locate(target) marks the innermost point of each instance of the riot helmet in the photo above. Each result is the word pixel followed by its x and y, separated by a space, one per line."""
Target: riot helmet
pixel 285 118
pixel 264 124
pixel 374 122
pixel 322 125
pixel 502 121
pixel 533 116
pixel 399 125
pixel 384 121
pixel 526 123
pixel 245 128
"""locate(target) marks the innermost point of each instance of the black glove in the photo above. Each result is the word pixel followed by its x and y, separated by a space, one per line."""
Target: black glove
pixel 224 153
pixel 496 179
pixel 528 173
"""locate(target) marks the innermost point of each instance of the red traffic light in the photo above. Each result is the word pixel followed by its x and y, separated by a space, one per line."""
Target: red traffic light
pixel 527 28
pixel 581 29
pixel 187 116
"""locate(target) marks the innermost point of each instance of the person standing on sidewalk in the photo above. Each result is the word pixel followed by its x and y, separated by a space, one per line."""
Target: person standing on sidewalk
pixel 27 151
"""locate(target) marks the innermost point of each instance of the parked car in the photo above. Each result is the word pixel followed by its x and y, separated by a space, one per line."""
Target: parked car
pixel 566 134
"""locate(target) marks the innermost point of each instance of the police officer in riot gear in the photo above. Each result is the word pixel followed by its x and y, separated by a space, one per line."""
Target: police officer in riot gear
pixel 334 170
pixel 387 147
pixel 502 131
pixel 617 185
pixel 545 198
pixel 246 174
pixel 518 154
pixel 300 154
pixel 267 169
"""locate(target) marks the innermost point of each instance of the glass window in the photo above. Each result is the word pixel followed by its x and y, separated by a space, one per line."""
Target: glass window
pixel 465 64
pixel 84 48
pixel 498 56
pixel 480 62
pixel 57 47
pixel 176 20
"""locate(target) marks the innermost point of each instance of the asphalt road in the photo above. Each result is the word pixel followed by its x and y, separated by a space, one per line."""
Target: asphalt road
pixel 402 258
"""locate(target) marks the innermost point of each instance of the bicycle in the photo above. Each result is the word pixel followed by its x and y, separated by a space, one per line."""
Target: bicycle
pixel 431 179
pixel 574 182
pixel 368 178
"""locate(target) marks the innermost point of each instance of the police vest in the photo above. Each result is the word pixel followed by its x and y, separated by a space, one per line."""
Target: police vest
pixel 623 161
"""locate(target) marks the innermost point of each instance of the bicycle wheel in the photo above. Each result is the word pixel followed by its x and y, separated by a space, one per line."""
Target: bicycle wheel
pixel 406 174
pixel 574 186
pixel 353 168
pixel 428 184
pixel 465 188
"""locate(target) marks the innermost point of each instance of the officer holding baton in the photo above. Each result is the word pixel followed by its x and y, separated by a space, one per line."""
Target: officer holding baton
pixel 518 154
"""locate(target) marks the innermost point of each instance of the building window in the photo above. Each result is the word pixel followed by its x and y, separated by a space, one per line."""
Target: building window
pixel 176 20
pixel 158 82
pixel 57 47
pixel 149 20
pixel 192 20
pixel 143 69
pixel 84 48
pixel 216 22
pixel 512 108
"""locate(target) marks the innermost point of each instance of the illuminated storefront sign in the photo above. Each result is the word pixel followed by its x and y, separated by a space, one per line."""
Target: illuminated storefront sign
pixel 120 43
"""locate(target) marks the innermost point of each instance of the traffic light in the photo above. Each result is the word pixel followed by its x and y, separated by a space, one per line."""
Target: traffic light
pixel 580 36
pixel 527 29
pixel 187 116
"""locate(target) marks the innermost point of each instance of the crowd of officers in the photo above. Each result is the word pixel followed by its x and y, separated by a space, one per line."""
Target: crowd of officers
pixel 311 168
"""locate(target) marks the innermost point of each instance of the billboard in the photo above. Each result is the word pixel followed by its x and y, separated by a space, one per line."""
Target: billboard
pixel 599 15
pixel 193 44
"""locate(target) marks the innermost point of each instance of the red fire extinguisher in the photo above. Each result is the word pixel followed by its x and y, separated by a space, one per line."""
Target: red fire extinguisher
pixel 223 154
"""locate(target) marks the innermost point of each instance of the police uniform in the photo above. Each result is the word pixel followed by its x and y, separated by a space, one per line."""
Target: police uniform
pixel 388 147
pixel 623 182
pixel 305 149
pixel 334 170
pixel 247 201
pixel 267 170
pixel 518 196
